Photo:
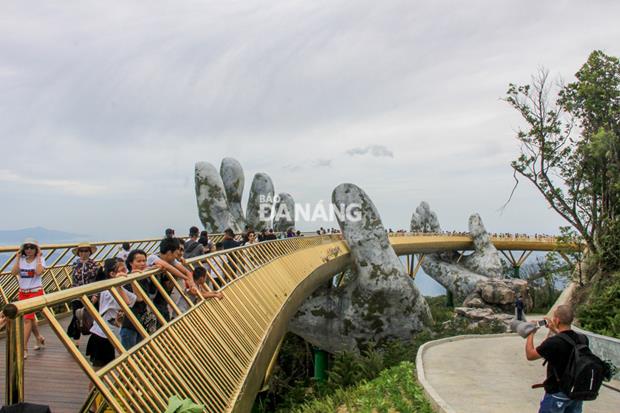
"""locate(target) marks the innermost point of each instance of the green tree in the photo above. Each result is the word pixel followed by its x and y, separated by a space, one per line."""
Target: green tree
pixel 570 149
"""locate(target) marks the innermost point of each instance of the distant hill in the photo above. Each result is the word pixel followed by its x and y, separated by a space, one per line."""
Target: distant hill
pixel 43 235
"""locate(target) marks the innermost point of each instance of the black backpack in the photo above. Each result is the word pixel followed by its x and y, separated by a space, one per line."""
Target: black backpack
pixel 584 373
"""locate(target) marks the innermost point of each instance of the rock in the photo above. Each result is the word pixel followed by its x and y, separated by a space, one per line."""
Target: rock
pixel 284 211
pixel 234 181
pixel 379 302
pixel 211 199
pixel 499 295
pixel 474 301
pixel 484 316
pixel 260 202
pixel 474 313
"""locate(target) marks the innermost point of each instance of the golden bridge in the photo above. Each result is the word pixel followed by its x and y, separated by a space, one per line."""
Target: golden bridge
pixel 218 353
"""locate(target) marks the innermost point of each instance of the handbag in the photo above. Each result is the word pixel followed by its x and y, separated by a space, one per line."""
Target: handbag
pixel 84 320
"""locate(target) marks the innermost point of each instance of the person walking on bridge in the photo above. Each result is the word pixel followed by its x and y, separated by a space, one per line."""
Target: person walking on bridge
pixel 29 267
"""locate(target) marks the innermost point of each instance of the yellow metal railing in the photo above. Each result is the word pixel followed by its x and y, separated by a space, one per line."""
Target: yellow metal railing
pixel 59 260
pixel 217 352
pixel 220 334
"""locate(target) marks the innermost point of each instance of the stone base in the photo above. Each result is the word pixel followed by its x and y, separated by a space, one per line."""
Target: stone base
pixel 484 316
pixel 499 294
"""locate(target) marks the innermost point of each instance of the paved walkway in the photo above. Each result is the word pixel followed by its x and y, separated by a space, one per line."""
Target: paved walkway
pixel 492 375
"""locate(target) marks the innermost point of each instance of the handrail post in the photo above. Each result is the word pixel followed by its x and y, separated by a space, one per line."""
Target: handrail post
pixel 15 361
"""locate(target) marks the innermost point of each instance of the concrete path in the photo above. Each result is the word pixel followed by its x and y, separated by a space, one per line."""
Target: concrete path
pixel 491 374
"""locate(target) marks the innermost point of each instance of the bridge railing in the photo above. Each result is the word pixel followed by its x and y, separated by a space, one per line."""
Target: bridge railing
pixel 133 381
pixel 59 260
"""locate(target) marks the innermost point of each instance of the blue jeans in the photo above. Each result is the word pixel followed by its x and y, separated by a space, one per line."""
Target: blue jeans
pixel 559 403
pixel 129 337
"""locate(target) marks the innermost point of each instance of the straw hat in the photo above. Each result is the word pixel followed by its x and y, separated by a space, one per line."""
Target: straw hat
pixel 82 246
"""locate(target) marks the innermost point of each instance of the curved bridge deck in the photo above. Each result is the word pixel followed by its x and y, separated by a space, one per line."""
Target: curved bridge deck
pixel 218 352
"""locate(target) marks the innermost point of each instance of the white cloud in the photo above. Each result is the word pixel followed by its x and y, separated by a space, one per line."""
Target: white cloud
pixel 69 187
pixel 377 151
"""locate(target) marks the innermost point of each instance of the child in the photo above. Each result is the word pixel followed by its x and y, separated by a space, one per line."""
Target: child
pixel 199 289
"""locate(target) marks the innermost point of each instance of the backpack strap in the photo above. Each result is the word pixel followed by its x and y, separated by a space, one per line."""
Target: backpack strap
pixel 567 339
pixel 581 339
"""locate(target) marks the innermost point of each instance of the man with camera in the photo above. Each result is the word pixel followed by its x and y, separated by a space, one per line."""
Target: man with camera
pixel 557 352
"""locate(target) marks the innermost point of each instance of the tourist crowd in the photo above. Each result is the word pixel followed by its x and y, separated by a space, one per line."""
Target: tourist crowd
pixel 196 283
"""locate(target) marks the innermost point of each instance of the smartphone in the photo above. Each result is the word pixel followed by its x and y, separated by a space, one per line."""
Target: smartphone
pixel 541 323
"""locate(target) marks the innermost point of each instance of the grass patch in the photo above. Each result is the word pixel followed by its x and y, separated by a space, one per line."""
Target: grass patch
pixel 394 390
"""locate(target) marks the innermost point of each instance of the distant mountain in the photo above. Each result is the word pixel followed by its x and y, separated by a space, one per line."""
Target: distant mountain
pixel 43 235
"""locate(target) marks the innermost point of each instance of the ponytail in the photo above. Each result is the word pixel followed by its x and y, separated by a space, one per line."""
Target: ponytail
pixel 109 266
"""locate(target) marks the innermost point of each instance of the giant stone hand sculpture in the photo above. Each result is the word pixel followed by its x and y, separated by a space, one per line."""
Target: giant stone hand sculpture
pixel 284 208
pixel 474 279
pixel 213 207
pixel 219 197
pixel 379 302
pixel 233 179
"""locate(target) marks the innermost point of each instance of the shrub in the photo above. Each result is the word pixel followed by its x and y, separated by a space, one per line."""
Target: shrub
pixel 395 389
pixel 601 313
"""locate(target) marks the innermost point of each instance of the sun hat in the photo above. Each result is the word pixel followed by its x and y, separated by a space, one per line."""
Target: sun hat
pixel 30 241
pixel 82 246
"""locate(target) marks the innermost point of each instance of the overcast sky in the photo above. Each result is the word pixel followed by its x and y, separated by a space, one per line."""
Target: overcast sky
pixel 106 106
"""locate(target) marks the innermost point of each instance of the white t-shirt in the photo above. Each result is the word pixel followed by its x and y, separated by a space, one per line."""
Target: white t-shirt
pixel 123 255
pixel 108 308
pixel 28 280
pixel 151 261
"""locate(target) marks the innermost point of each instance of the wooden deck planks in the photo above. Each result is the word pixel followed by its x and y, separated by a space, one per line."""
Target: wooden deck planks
pixel 53 377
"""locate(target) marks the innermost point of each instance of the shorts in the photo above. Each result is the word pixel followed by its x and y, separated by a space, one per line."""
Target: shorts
pixel 25 296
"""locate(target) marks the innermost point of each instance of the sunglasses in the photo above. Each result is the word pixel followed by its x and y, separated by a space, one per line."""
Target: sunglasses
pixel 30 247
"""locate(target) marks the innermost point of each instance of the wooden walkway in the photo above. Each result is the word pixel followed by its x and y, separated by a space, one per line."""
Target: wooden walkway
pixel 53 377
